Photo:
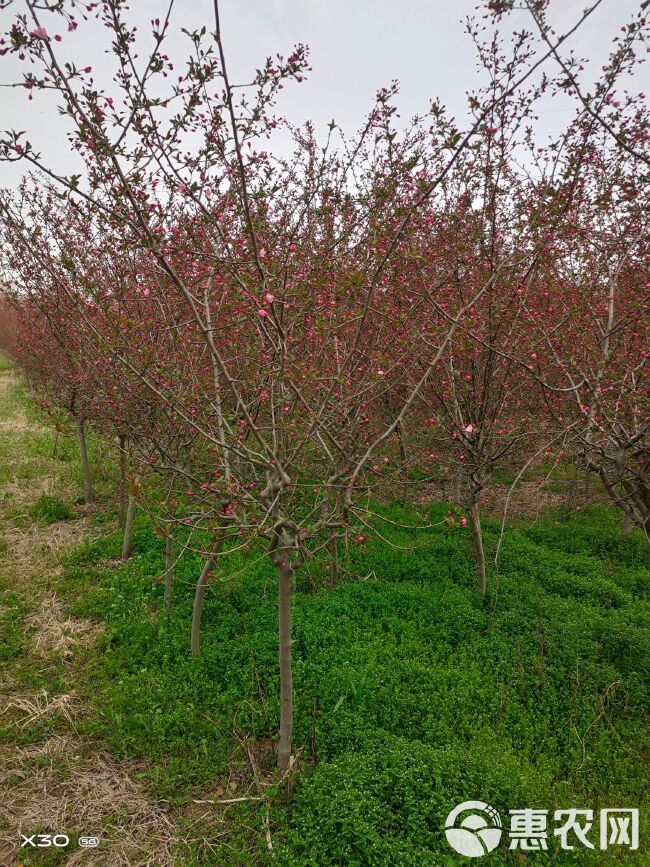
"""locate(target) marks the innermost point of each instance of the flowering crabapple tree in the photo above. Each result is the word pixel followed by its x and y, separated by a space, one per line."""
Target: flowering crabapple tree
pixel 490 381
pixel 596 336
pixel 290 277
pixel 46 346
pixel 481 408
pixel 108 306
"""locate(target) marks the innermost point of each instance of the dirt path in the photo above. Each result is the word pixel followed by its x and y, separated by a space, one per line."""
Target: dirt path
pixel 53 779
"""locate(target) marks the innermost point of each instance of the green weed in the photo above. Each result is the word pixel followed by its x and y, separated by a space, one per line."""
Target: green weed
pixel 416 693
pixel 49 510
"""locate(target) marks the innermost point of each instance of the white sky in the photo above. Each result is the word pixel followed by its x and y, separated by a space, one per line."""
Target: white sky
pixel 356 46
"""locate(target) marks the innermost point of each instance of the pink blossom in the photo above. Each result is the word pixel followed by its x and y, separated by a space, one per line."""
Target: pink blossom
pixel 262 313
pixel 269 298
pixel 463 522
pixel 39 33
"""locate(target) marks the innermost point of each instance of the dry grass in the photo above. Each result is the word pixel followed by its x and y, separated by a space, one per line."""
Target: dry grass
pixel 528 499
pixel 22 493
pixel 19 424
pixel 55 634
pixel 37 550
pixel 35 708
pixel 19 493
pixel 65 786
pixel 8 380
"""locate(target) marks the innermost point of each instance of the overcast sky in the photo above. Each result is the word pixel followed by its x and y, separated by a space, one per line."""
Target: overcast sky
pixel 356 47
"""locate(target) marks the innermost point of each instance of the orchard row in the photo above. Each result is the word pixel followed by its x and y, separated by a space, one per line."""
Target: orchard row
pixel 276 343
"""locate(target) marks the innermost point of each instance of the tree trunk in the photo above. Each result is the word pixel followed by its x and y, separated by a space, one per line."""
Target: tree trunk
pixel 286 676
pixel 477 536
pixel 128 530
pixel 627 526
pixel 402 458
pixel 457 488
pixel 55 452
pixel 332 547
pixel 121 508
pixel 572 488
pixel 85 463
pixel 197 611
pixel 169 570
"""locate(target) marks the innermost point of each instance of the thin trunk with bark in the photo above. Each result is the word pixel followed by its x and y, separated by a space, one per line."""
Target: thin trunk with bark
pixel 197 610
pixel 572 488
pixel 127 542
pixel 123 497
pixel 333 550
pixel 627 526
pixel 169 570
pixel 169 548
pixel 477 536
pixel 457 488
pixel 85 463
pixel 402 458
pixel 286 675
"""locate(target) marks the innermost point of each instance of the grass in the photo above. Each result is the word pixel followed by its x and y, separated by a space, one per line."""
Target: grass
pixel 412 694
pixel 50 510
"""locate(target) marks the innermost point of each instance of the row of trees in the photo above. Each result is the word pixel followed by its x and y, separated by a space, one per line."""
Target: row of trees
pixel 272 343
